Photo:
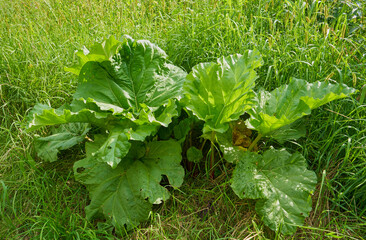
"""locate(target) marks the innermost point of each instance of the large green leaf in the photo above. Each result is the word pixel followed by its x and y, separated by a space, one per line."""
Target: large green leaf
pixel 125 194
pixel 219 93
pixel 137 83
pixel 282 184
pixel 63 137
pixel 129 78
pixel 288 103
pixel 137 74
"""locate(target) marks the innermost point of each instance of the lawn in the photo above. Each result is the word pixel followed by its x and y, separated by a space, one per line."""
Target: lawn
pixel 311 40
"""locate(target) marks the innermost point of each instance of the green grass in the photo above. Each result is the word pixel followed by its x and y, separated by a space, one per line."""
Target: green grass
pixel 312 40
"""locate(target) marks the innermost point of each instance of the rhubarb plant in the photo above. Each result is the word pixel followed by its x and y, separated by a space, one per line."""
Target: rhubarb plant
pixel 126 91
pixel 127 105
pixel 219 93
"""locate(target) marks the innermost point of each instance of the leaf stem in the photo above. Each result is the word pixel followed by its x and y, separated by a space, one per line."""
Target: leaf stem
pixel 255 142
pixel 212 173
pixel 203 144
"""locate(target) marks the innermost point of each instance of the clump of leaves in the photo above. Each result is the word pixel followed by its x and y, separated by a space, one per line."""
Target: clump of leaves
pixel 127 90
pixel 219 93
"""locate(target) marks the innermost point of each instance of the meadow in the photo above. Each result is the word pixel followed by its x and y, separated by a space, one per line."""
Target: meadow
pixel 310 40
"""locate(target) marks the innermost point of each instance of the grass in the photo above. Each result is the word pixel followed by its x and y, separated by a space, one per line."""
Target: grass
pixel 312 40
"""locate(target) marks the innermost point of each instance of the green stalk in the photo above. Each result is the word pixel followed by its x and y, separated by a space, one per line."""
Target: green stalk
pixel 189 164
pixel 203 144
pixel 255 142
pixel 212 173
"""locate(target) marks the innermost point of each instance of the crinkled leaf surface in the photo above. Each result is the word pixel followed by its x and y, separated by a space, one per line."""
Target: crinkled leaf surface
pixel 43 115
pixel 125 194
pixel 63 137
pixel 282 184
pixel 219 93
pixel 288 103
pixel 114 148
pixel 99 52
pixel 121 129
pixel 137 74
pixel 133 80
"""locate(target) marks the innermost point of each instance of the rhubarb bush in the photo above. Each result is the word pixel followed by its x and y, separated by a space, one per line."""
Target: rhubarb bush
pixel 126 90
pixel 127 107
pixel 219 93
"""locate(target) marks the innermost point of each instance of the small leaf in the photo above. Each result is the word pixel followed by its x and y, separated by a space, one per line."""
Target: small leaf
pixel 161 116
pixel 194 155
pixel 177 129
pixel 282 184
pixel 140 132
pixel 114 148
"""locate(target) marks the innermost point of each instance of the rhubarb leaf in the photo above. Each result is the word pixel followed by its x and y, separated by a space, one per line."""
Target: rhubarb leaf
pixel 114 148
pixel 286 104
pixel 282 184
pixel 182 129
pixel 137 74
pixel 194 154
pixel 125 194
pixel 132 79
pixel 219 93
pixel 43 115
pixel 63 137
pixel 292 131
pixel 99 52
